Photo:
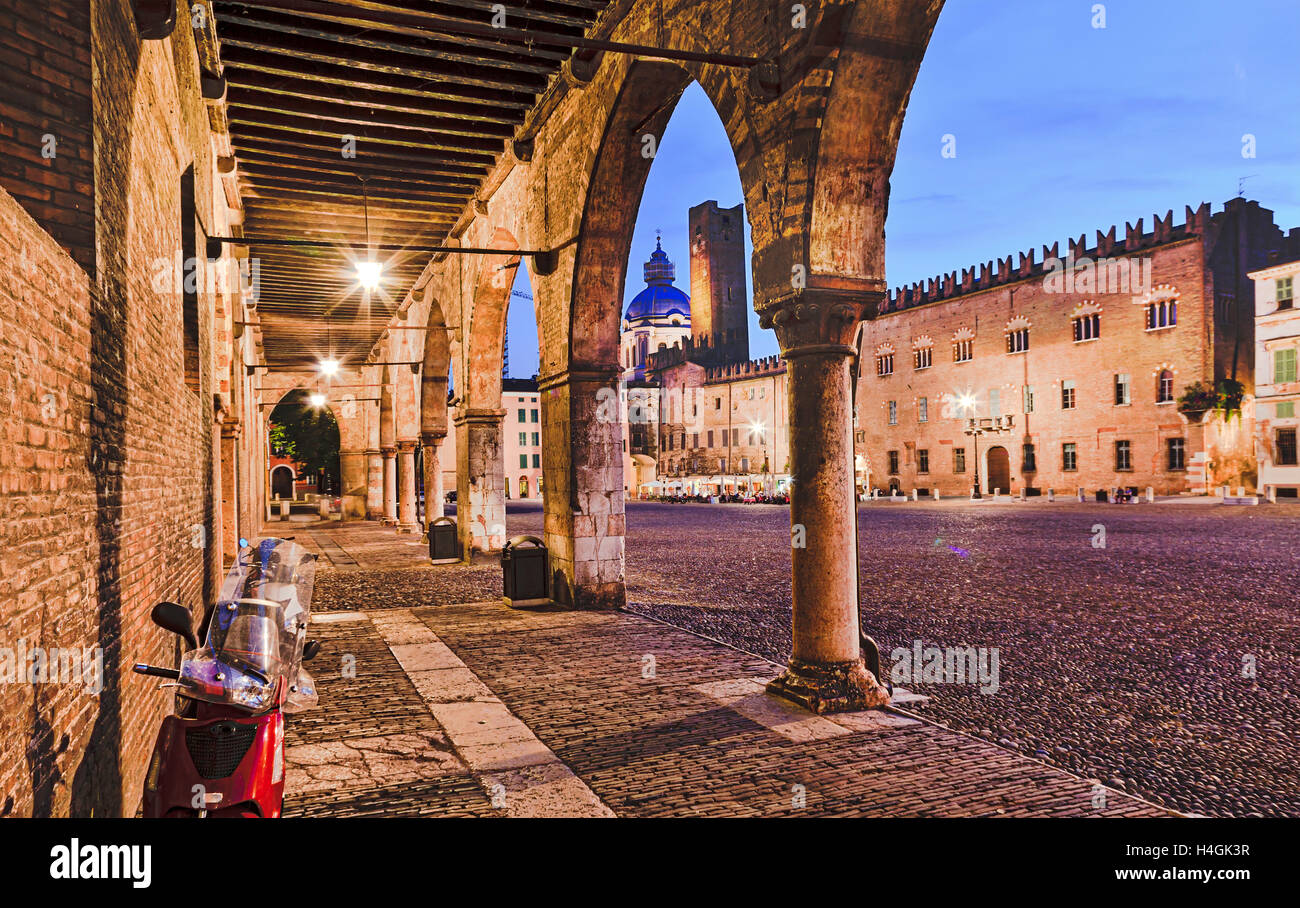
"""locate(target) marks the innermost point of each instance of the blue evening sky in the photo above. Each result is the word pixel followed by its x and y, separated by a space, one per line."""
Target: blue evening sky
pixel 1060 129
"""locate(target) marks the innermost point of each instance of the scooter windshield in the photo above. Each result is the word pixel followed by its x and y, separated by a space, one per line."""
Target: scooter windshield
pixel 253 650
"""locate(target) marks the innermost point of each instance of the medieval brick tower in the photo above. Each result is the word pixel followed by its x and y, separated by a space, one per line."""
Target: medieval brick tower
pixel 719 307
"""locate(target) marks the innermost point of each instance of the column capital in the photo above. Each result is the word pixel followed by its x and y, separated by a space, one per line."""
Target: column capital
pixel 603 375
pixel 480 415
pixel 407 445
pixel 432 439
pixel 820 319
pixel 388 451
pixel 231 428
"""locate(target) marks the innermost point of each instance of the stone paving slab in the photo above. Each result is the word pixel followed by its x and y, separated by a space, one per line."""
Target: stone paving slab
pixel 471 708
pixel 680 742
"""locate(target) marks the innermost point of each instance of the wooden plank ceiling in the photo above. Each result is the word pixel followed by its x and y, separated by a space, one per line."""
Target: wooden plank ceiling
pixel 431 100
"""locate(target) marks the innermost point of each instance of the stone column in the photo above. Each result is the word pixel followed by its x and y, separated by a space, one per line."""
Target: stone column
pixel 230 490
pixel 582 464
pixel 406 519
pixel 352 470
pixel 480 481
pixel 374 485
pixel 433 494
pixel 826 672
pixel 390 486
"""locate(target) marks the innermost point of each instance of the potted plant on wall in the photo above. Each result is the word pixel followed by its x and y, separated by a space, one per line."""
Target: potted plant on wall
pixel 1195 400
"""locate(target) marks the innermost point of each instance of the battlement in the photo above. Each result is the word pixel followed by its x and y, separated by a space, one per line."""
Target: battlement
pixel 999 272
pixel 754 368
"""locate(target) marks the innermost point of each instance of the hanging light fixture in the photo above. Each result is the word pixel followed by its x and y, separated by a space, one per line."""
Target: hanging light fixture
pixel 369 271
pixel 317 400
pixel 329 366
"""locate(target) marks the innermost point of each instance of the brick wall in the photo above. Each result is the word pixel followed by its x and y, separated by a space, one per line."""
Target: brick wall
pixel 45 118
pixel 108 454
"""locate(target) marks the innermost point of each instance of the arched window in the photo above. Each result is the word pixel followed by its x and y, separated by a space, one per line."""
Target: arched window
pixel 1085 321
pixel 1165 387
pixel 1018 335
pixel 1162 308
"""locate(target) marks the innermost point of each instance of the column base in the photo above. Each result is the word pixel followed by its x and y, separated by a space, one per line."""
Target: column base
pixel 835 687
pixel 407 528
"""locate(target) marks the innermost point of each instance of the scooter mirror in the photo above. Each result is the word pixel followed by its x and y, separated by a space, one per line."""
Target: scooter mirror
pixel 175 618
pixel 310 649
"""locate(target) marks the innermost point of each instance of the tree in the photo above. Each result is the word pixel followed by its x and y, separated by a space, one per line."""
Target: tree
pixel 310 433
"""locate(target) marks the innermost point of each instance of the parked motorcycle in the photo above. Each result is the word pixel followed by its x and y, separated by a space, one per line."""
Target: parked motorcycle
pixel 222 753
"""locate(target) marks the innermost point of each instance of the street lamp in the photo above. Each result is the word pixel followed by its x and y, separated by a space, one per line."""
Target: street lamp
pixel 317 400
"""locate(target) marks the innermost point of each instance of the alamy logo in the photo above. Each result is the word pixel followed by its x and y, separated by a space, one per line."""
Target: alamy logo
pixel 75 861
pixel 1130 275
pixel 52 665
pixel 946 665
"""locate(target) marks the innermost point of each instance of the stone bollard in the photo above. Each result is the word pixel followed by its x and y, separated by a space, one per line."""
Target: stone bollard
pixel 996 493
pixel 935 491
pixel 324 508
pixel 1051 496
pixel 1271 494
pixel 1223 491
pixel 1151 494
pixel 914 496
pixel 284 509
pixel 875 494
pixel 1081 494
pixel 1024 494
pixel 1241 491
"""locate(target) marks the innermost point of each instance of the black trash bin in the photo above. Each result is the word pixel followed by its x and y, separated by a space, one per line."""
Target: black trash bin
pixel 444 548
pixel 525 573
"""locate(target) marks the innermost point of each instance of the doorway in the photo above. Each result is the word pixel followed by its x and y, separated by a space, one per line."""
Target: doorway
pixel 999 471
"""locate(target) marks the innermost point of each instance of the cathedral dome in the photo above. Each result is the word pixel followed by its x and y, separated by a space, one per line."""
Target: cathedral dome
pixel 660 300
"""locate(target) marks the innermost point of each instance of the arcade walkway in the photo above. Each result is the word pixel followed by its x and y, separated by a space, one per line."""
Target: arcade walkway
pixel 436 700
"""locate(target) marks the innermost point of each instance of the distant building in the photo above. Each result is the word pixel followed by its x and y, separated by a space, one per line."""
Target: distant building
pixel 1277 381
pixel 658 317
pixel 522 435
pixel 1087 357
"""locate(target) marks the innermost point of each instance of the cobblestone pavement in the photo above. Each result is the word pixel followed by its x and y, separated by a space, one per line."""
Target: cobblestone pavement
pixel 1128 663
pixel 469 708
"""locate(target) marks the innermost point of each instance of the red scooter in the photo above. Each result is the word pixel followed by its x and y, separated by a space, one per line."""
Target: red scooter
pixel 222 753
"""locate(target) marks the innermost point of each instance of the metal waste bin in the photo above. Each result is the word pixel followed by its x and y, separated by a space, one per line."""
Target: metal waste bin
pixel 444 547
pixel 525 573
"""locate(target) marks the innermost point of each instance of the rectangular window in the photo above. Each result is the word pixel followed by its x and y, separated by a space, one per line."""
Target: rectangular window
pixel 695 439
pixel 893 412
pixel 744 464
pixel 1123 455
pixel 1177 449
pixel 1286 453
pixel 1069 457
pixel 1028 463
pixel 923 460
pixel 995 402
pixel 1285 293
pixel 523 439
pixel 523 415
pixel 537 438
pixel 717 403
pixel 1029 399
pixel 1283 365
pixel 710 438
pixel 532 416
pixel 959 460
pixel 923 410
pixel 537 460
pixel 1286 409
pixel 1067 395
pixel 735 438
pixel 893 461
pixel 961 351
pixel 523 461
pixel 1123 390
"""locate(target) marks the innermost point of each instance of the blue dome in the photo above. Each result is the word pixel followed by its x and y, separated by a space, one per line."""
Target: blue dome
pixel 660 299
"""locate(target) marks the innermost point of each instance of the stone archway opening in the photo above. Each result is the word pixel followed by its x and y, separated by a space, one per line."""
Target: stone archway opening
pixel 304 431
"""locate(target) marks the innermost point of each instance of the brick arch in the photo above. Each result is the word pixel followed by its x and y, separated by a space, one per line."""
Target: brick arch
pixel 485 339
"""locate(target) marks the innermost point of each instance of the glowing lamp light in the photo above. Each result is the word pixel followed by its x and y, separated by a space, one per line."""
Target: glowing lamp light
pixel 317 400
pixel 329 366
pixel 368 274
pixel 967 402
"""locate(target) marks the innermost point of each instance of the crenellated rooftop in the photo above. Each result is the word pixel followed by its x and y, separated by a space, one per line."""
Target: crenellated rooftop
pixel 999 272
